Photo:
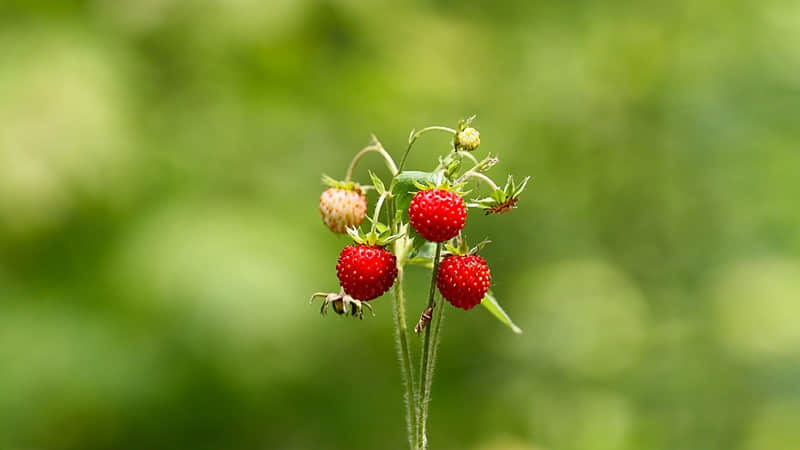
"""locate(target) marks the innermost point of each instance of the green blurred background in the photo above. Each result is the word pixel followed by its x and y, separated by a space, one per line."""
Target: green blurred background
pixel 160 167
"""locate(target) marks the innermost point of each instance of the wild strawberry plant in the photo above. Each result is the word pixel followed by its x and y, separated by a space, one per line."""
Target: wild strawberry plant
pixel 424 214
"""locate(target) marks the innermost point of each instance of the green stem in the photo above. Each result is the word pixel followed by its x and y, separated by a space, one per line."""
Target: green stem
pixel 390 213
pixel 375 147
pixel 404 354
pixel 390 216
pixel 426 388
pixel 423 394
pixel 470 157
pixel 413 138
pixel 480 176
pixel 414 391
pixel 377 212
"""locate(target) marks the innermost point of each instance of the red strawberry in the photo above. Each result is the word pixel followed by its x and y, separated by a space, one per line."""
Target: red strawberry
pixel 342 208
pixel 463 280
pixel 437 214
pixel 365 271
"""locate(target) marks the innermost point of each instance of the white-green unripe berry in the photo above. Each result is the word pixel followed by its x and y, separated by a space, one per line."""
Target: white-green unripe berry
pixel 468 139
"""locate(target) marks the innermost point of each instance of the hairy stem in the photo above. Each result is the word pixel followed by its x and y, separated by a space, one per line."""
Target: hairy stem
pixel 404 354
pixel 425 363
pixel 377 212
pixel 426 388
pixel 390 215
pixel 480 176
pixel 413 138
pixel 470 157
pixel 374 147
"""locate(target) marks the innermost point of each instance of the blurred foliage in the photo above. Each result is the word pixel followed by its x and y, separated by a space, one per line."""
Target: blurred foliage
pixel 159 237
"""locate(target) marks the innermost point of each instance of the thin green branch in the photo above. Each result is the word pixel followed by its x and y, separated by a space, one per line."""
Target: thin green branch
pixel 470 157
pixel 480 176
pixel 374 147
pixel 376 214
pixel 426 388
pixel 435 127
pixel 425 361
pixel 404 354
pixel 413 138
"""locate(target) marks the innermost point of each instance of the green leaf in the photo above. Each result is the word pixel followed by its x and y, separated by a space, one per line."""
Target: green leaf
pixel 490 303
pixel 426 250
pixel 419 241
pixel 421 261
pixel 379 187
pixel 423 253
pixel 404 187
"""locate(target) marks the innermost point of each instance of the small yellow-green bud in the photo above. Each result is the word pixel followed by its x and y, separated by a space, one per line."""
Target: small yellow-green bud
pixel 468 139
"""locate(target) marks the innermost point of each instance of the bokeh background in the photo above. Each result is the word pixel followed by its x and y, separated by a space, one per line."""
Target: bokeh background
pixel 160 166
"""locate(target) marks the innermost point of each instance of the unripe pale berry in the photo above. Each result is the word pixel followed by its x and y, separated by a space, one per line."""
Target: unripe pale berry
pixel 468 139
pixel 342 208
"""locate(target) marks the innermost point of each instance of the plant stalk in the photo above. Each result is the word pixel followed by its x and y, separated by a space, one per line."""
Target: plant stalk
pixel 426 364
pixel 374 147
pixel 376 214
pixel 404 355
pixel 413 138
pixel 480 176
pixel 426 388
pixel 415 392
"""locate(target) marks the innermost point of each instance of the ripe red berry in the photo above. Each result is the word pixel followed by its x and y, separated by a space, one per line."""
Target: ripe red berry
pixel 437 214
pixel 366 272
pixel 342 208
pixel 463 280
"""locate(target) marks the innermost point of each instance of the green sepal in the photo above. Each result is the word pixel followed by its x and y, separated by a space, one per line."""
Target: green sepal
pixel 381 227
pixel 356 234
pixel 444 185
pixel 475 250
pixel 462 248
pixel 437 181
pixel 381 236
pixel 502 200
pixel 486 163
pixel 386 237
pixel 450 164
pixel 346 185
pixel 490 303
pixel 465 123
pixel 379 187
pixel 422 186
pixel 451 249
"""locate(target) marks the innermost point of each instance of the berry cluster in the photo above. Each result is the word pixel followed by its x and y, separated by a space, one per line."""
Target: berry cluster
pixel 425 213
pixel 436 212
